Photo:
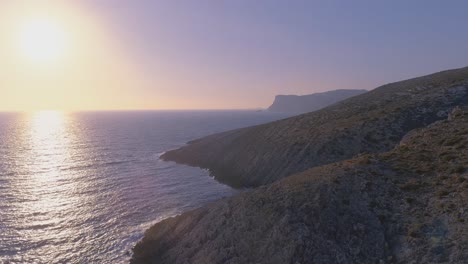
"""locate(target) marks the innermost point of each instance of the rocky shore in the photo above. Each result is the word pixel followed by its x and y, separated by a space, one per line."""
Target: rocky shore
pixel 378 178
pixel 408 205
pixel 368 123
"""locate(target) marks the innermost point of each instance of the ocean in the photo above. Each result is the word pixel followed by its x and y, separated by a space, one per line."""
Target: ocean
pixel 83 187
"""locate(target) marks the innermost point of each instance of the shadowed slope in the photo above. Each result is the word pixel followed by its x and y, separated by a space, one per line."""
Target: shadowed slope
pixel 404 206
pixel 368 123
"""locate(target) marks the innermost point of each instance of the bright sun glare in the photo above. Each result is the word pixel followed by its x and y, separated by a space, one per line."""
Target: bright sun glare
pixel 42 41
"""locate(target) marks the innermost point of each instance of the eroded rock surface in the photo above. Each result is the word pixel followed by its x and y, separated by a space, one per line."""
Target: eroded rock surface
pixel 408 205
pixel 369 123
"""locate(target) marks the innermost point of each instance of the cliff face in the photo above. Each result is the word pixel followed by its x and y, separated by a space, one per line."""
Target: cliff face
pixel 311 102
pixel 368 123
pixel 408 205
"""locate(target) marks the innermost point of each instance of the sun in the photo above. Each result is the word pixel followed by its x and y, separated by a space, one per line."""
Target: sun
pixel 42 41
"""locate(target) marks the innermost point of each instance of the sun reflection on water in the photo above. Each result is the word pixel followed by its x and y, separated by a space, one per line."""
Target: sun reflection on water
pixel 83 187
pixel 48 151
pixel 47 192
pixel 49 142
pixel 47 123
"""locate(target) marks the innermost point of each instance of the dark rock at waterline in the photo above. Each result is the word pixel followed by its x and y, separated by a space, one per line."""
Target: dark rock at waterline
pixel 408 205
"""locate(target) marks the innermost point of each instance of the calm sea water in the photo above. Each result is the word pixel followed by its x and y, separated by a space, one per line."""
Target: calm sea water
pixel 83 187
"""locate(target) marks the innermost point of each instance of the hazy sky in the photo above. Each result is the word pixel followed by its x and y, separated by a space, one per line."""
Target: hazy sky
pixel 122 54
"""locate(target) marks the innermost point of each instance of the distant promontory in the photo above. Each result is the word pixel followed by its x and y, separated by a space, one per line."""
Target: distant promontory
pixel 368 123
pixel 311 102
pixel 381 177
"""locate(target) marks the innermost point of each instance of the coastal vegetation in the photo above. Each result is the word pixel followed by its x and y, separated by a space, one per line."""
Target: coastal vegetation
pixel 377 178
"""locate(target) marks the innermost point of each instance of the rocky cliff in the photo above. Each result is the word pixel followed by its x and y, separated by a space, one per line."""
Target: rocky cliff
pixel 408 205
pixel 308 103
pixel 369 123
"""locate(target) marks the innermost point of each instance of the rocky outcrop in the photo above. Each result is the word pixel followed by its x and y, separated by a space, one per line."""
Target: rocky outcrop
pixel 369 123
pixel 308 103
pixel 408 205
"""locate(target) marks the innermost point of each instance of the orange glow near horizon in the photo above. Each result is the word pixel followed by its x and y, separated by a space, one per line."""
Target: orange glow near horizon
pixel 57 55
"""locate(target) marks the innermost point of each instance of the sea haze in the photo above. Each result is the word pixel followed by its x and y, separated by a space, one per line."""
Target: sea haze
pixel 83 187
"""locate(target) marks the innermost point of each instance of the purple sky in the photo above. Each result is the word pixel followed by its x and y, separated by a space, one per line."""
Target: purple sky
pixel 240 54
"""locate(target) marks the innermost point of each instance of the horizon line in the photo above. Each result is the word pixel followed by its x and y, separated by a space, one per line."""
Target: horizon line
pixel 132 110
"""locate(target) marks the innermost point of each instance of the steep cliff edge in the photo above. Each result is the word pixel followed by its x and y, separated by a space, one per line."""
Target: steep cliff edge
pixel 368 123
pixel 307 103
pixel 408 205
